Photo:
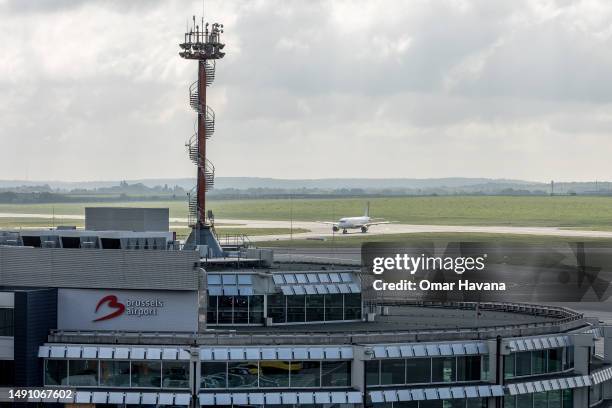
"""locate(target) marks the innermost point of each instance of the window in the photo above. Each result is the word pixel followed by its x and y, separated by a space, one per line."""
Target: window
pixel 372 371
pixel 539 399
pixel 211 311
pixel 555 360
pixel 476 403
pixel 274 374
pixel 146 374
pixel 524 401
pixel 392 371
pixel 352 306
pixel 484 375
pixel 418 370
pixel 306 374
pixel 115 373
pixel 7 325
pixel 554 399
pixel 509 366
pixel 538 361
pixel 56 372
pixel 453 403
pixel 443 369
pixel 296 312
pixel 523 363
pixel 226 309
pixel 406 404
pixel 431 404
pixel 83 373
pixel 569 358
pixel 213 375
pixel 336 374
pixel 256 309
pixel 175 374
pixel 314 308
pixel 468 368
pixel 509 401
pixel 568 398
pixel 241 309
pixel 334 307
pixel 276 308
pixel 242 374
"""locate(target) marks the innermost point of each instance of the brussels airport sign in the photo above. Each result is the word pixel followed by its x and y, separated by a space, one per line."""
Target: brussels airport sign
pixel 135 307
pixel 130 310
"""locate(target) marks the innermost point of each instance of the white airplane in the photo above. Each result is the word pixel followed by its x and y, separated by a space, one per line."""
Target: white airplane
pixel 364 222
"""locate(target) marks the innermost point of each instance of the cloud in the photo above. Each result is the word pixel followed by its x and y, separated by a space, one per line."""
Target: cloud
pixel 362 88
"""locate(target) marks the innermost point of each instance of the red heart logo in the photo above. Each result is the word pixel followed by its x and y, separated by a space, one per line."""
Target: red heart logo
pixel 112 303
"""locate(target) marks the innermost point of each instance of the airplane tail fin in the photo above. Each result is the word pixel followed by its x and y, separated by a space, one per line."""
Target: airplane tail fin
pixel 367 210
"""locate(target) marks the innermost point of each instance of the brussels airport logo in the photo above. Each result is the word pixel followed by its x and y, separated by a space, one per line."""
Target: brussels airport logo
pixel 131 307
pixel 112 303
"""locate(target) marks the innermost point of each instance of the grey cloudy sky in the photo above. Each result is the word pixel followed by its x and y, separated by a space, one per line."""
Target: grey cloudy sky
pixel 95 89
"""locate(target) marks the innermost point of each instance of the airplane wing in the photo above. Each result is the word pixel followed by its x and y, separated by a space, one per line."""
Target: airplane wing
pixel 369 224
pixel 327 222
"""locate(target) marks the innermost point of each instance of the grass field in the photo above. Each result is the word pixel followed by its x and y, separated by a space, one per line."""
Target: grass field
pixel 11 223
pixel 357 241
pixel 566 211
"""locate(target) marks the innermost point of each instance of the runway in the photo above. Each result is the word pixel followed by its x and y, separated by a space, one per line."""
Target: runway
pixel 318 230
pixel 324 231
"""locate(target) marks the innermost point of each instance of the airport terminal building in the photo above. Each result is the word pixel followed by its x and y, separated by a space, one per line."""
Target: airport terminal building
pixel 138 321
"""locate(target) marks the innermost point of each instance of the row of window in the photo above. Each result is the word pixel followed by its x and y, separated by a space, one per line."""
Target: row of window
pixel 314 308
pixel 55 241
pixel 452 403
pixel 275 374
pixel 547 399
pixel 114 373
pixel 538 362
pixel 426 370
pixel 283 309
pixel 235 309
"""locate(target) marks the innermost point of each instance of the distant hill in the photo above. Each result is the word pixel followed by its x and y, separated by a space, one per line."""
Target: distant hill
pixel 260 187
pixel 243 183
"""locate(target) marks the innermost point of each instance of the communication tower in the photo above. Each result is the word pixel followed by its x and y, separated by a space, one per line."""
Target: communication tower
pixel 202 44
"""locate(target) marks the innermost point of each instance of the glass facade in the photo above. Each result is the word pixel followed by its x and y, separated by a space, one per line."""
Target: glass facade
pixel 314 308
pixel 538 362
pixel 275 374
pixel 146 374
pixel 549 399
pixel 235 309
pixel 175 374
pixel 452 403
pixel 56 372
pixel 82 373
pixel 117 373
pixel 426 370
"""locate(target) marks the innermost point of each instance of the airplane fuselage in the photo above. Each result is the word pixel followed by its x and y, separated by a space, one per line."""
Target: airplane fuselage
pixel 353 222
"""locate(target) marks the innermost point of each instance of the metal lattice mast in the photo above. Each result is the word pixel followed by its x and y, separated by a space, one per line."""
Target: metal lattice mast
pixel 202 44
